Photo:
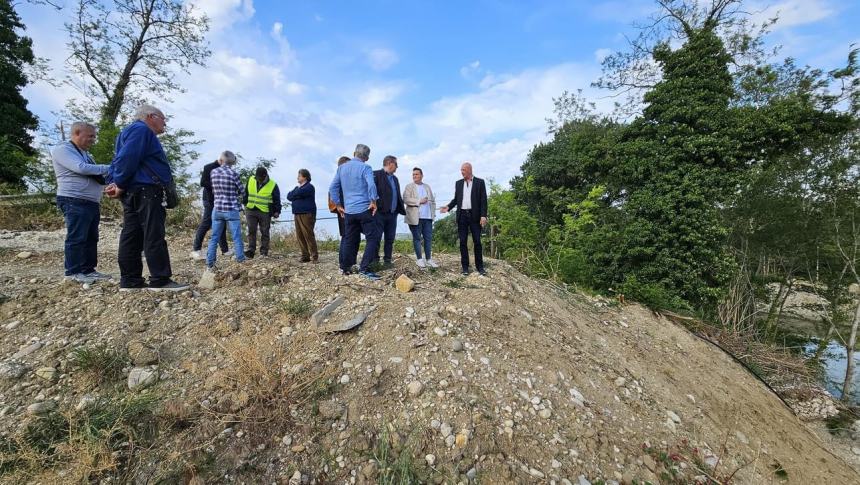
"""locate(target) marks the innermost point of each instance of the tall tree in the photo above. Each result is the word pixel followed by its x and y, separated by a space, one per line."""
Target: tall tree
pixel 16 121
pixel 127 49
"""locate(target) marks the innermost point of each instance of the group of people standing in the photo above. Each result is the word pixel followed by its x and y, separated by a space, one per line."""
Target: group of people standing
pixel 367 202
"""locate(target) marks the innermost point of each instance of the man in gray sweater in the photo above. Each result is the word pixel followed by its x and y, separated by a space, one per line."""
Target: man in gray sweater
pixel 79 192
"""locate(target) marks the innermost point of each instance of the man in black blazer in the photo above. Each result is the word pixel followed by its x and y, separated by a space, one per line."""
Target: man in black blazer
pixel 389 204
pixel 471 215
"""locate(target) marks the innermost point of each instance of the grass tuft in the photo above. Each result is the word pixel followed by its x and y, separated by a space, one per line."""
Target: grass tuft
pixel 102 362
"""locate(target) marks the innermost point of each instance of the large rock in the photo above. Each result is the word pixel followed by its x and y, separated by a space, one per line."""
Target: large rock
pixel 320 315
pixel 141 353
pixel 355 321
pixel 404 284
pixel 207 281
pixel 25 351
pixel 141 377
pixel 48 373
pixel 43 407
pixel 12 370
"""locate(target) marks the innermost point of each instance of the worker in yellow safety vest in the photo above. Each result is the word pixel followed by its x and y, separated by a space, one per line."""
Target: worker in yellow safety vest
pixel 262 203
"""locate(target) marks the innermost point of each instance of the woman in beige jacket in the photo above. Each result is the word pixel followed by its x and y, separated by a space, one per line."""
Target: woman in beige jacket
pixel 420 211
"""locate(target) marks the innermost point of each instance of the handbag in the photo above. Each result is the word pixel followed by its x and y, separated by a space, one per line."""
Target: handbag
pixel 171 196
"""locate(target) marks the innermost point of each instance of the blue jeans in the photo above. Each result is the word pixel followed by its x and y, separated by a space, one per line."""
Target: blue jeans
pixel 232 220
pixel 356 224
pixel 82 234
pixel 422 230
pixel 388 227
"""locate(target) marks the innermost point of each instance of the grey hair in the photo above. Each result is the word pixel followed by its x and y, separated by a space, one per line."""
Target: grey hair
pixel 388 159
pixel 228 157
pixel 145 110
pixel 362 152
pixel 79 126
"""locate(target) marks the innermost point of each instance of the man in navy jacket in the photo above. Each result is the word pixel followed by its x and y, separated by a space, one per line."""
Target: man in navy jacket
pixel 389 206
pixel 138 174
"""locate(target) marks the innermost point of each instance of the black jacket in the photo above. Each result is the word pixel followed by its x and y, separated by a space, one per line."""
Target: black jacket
pixel 383 191
pixel 479 198
pixel 206 180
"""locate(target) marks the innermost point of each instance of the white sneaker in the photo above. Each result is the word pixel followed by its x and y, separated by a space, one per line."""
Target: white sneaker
pixel 431 263
pixel 421 263
pixel 195 255
pixel 227 254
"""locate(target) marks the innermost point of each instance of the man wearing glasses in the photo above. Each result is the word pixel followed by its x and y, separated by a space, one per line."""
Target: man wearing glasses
pixel 139 174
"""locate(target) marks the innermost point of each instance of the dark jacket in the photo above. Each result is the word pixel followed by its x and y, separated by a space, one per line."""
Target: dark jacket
pixel 276 196
pixel 383 190
pixel 479 198
pixel 139 156
pixel 303 199
pixel 206 180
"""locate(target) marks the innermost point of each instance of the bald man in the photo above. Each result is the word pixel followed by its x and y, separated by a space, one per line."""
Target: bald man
pixel 470 199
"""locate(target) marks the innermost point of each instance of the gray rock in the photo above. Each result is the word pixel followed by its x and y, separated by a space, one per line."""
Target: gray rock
pixel 320 315
pixel 25 351
pixel 12 325
pixel 457 346
pixel 43 407
pixel 12 370
pixel 141 377
pixel 415 388
pixel 24 255
pixel 86 401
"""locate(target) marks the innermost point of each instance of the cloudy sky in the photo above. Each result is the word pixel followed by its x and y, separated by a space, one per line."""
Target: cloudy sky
pixel 432 82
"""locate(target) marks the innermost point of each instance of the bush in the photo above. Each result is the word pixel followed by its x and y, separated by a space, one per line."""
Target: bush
pixel 652 295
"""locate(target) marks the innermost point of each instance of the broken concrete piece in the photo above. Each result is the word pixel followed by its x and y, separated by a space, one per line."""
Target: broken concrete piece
pixel 323 313
pixel 404 284
pixel 357 320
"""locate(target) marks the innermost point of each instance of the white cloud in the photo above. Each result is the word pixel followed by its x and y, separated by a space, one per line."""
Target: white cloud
pixel 380 58
pixel 224 13
pixel 601 54
pixel 379 95
pixel 792 13
pixel 470 70
pixel 287 54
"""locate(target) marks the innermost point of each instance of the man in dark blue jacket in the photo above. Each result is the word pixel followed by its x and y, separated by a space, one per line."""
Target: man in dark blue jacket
pixel 138 174
pixel 390 204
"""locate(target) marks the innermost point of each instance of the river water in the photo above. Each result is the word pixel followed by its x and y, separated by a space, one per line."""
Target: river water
pixel 834 362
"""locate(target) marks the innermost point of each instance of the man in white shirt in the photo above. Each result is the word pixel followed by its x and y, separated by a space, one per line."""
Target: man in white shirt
pixel 470 198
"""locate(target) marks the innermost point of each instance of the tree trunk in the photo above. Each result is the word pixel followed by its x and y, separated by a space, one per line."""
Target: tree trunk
pixel 849 368
pixel 776 306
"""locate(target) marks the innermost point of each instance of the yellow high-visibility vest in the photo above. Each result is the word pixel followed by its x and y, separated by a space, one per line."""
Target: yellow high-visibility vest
pixel 260 200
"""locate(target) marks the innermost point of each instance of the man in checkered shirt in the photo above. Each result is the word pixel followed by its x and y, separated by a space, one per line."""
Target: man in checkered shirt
pixel 226 190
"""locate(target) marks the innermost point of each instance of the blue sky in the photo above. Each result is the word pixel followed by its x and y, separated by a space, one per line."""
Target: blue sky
pixel 432 82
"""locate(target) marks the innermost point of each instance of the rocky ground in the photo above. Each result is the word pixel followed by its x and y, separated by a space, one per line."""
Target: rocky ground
pixel 498 379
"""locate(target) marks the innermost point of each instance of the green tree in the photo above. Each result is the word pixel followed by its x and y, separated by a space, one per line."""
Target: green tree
pixel 16 121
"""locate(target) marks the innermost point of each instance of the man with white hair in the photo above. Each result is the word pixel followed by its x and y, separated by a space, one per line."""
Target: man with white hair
pixel 79 195
pixel 353 190
pixel 226 190
pixel 139 175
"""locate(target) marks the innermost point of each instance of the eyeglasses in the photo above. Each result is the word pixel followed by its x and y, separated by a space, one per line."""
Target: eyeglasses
pixel 159 116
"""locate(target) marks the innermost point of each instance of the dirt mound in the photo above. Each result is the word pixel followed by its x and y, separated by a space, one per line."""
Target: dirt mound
pixel 498 379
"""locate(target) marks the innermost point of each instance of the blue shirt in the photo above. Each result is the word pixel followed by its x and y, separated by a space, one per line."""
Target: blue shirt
pixel 138 155
pixel 73 168
pixel 393 193
pixel 355 179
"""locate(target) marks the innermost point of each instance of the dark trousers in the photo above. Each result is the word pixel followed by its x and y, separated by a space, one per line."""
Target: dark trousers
pixel 465 226
pixel 356 225
pixel 305 234
pixel 143 220
pixel 82 234
pixel 263 220
pixel 388 228
pixel 206 224
pixel 341 229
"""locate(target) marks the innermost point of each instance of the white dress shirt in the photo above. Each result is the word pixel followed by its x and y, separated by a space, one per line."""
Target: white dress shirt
pixel 467 195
